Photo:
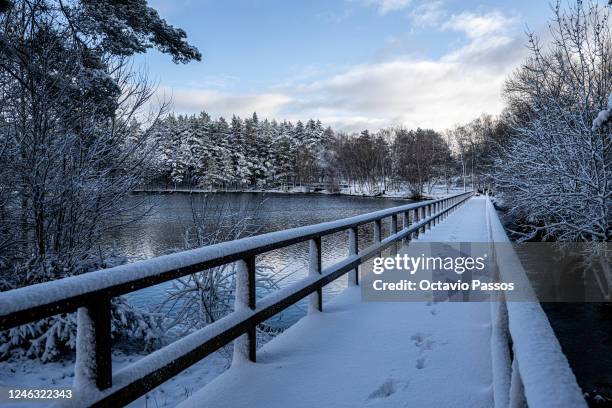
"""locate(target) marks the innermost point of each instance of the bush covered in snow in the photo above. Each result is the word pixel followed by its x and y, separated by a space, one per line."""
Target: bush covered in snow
pixel 196 300
pixel 52 338
pixel 555 173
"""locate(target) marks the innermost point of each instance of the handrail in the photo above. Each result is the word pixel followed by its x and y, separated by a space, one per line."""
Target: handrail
pixel 524 342
pixel 90 295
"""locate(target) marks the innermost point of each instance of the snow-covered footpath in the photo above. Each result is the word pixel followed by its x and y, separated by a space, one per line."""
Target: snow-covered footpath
pixel 391 354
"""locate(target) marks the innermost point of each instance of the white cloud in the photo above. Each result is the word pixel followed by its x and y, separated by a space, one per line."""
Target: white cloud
pixel 478 25
pixel 225 104
pixel 412 93
pixel 428 13
pixel 426 92
pixel 386 6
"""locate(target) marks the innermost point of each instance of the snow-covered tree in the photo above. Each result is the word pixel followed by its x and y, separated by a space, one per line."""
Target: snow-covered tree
pixel 69 98
pixel 556 170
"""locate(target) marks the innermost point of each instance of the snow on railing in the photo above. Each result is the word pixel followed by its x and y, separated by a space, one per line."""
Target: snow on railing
pixel 539 375
pixel 90 295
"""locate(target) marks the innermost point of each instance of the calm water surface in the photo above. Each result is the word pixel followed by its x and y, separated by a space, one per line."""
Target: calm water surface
pixel 163 231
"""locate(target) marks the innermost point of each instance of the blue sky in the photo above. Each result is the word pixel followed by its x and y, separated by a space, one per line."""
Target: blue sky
pixel 353 64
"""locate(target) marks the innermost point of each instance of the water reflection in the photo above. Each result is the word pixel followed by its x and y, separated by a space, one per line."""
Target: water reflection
pixel 163 231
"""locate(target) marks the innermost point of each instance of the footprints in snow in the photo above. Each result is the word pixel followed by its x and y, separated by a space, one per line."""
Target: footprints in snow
pixel 421 363
pixel 424 342
pixel 388 388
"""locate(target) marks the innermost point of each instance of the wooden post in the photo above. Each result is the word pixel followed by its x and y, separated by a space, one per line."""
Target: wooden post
pixel 377 232
pixel 252 333
pixel 415 220
pixel 93 345
pixel 405 225
pixel 428 215
pixel 433 213
pixel 245 346
pixel 314 268
pixel 422 217
pixel 436 211
pixel 394 231
pixel 353 250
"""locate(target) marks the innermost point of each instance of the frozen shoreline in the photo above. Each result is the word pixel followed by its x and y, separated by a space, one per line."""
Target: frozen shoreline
pixel 436 192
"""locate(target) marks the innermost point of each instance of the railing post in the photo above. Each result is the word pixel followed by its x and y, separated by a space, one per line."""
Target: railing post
pixel 245 346
pixel 405 225
pixel 415 220
pixel 428 215
pixel 93 364
pixel 422 217
pixel 433 213
pixel 436 211
pixel 377 233
pixel 353 250
pixel 394 231
pixel 314 268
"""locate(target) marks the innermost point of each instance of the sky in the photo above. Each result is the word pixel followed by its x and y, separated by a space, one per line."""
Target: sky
pixel 353 64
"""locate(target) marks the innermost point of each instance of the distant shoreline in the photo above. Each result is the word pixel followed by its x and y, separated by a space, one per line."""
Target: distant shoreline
pixel 397 195
pixel 324 192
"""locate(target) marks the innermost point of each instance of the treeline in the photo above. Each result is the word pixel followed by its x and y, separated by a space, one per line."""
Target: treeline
pixel 199 152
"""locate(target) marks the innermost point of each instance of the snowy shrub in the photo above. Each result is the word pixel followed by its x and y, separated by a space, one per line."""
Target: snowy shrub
pixel 555 173
pixel 51 338
pixel 197 300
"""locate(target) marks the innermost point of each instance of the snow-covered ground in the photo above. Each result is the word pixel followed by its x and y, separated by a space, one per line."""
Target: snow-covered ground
pixel 27 373
pixel 375 354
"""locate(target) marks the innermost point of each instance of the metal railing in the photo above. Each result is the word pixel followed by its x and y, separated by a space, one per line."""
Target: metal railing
pixel 90 295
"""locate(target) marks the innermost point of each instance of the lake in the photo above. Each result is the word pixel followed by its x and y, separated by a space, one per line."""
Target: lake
pixel 163 231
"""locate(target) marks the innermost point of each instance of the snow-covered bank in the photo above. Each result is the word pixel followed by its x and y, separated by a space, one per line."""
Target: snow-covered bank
pixel 436 192
pixel 29 373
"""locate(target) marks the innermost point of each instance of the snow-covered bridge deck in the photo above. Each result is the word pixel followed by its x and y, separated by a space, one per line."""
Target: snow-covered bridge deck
pixel 379 354
pixel 405 354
